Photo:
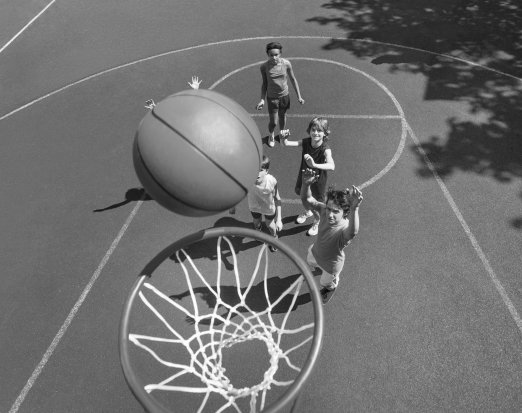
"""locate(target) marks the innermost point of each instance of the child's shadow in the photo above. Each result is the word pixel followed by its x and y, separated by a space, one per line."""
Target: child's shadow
pixel 296 229
pixel 208 248
pixel 255 299
pixel 132 195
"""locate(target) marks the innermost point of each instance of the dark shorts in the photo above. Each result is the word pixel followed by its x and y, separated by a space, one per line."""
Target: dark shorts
pixel 257 215
pixel 318 188
pixel 279 105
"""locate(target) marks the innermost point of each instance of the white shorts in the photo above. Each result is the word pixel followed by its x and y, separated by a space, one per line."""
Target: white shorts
pixel 327 280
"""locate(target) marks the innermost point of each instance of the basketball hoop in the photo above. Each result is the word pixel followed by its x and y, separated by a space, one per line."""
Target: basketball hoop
pixel 210 292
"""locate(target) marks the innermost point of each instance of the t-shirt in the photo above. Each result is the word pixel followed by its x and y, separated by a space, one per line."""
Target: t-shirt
pixel 276 76
pixel 261 196
pixel 329 245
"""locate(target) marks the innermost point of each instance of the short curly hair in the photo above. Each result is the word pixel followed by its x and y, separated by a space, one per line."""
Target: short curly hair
pixel 274 45
pixel 340 197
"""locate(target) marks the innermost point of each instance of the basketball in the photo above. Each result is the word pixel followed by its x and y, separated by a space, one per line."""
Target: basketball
pixel 197 152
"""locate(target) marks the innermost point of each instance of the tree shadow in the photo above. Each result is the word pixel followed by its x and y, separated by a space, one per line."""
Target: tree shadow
pixel 255 299
pixel 486 32
pixel 132 195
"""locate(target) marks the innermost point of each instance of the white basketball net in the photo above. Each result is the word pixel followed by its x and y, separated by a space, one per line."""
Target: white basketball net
pixel 206 356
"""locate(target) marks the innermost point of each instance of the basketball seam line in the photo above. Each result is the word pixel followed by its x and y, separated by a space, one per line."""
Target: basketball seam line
pixel 163 188
pixel 169 192
pixel 199 150
pixel 232 113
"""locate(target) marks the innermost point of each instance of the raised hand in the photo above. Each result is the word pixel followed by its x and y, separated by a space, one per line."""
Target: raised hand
pixel 195 83
pixel 354 196
pixel 309 176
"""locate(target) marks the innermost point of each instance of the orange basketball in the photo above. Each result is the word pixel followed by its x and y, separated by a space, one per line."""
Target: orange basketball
pixel 197 152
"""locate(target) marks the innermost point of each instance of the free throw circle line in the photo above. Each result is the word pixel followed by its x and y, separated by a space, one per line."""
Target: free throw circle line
pixel 400 111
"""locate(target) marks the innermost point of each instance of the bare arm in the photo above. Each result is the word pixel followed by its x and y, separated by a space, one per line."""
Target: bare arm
pixel 293 79
pixel 264 86
pixel 279 217
pixel 329 165
pixel 355 199
pixel 308 200
pixel 284 134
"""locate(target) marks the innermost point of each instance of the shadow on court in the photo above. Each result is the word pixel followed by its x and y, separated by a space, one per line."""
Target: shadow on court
pixel 132 195
pixel 255 299
pixel 486 32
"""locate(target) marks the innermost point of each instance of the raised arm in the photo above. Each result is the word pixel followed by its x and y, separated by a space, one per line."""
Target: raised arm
pixel 293 79
pixel 308 200
pixel 355 198
pixel 329 165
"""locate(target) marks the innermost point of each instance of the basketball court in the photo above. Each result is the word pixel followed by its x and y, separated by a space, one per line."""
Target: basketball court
pixel 427 313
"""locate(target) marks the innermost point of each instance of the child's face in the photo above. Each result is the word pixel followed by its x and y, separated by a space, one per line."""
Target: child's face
pixel 317 134
pixel 274 55
pixel 334 213
pixel 261 176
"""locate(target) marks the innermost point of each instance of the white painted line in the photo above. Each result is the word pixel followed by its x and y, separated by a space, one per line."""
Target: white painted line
pixel 26 26
pixel 221 42
pixel 485 262
pixel 396 103
pixel 50 350
pixel 329 116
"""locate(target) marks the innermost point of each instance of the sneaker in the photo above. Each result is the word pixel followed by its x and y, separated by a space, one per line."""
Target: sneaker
pixel 303 217
pixel 326 294
pixel 313 229
pixel 271 140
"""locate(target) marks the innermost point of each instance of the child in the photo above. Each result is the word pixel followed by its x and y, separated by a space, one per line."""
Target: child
pixel 318 156
pixel 264 199
pixel 275 72
pixel 339 225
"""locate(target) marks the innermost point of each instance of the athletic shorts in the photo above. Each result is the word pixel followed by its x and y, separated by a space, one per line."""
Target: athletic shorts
pixel 280 105
pixel 327 280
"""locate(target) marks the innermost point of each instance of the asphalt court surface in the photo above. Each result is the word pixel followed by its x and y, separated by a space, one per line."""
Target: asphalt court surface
pixel 418 325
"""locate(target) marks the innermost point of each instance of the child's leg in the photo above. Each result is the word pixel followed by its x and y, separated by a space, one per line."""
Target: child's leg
pixel 284 105
pixel 272 122
pixel 257 220
pixel 329 281
pixel 312 263
pixel 270 223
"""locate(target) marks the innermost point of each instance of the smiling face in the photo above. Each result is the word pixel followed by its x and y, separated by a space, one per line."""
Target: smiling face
pixel 334 213
pixel 317 135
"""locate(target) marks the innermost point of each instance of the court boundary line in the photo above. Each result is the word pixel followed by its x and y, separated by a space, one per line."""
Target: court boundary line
pixel 467 230
pixel 21 397
pixel 244 39
pixel 23 29
pixel 70 317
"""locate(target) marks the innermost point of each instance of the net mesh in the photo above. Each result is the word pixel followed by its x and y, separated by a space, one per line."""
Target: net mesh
pixel 221 326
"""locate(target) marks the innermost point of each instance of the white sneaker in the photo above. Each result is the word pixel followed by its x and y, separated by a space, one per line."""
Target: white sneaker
pixel 271 141
pixel 303 217
pixel 313 229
